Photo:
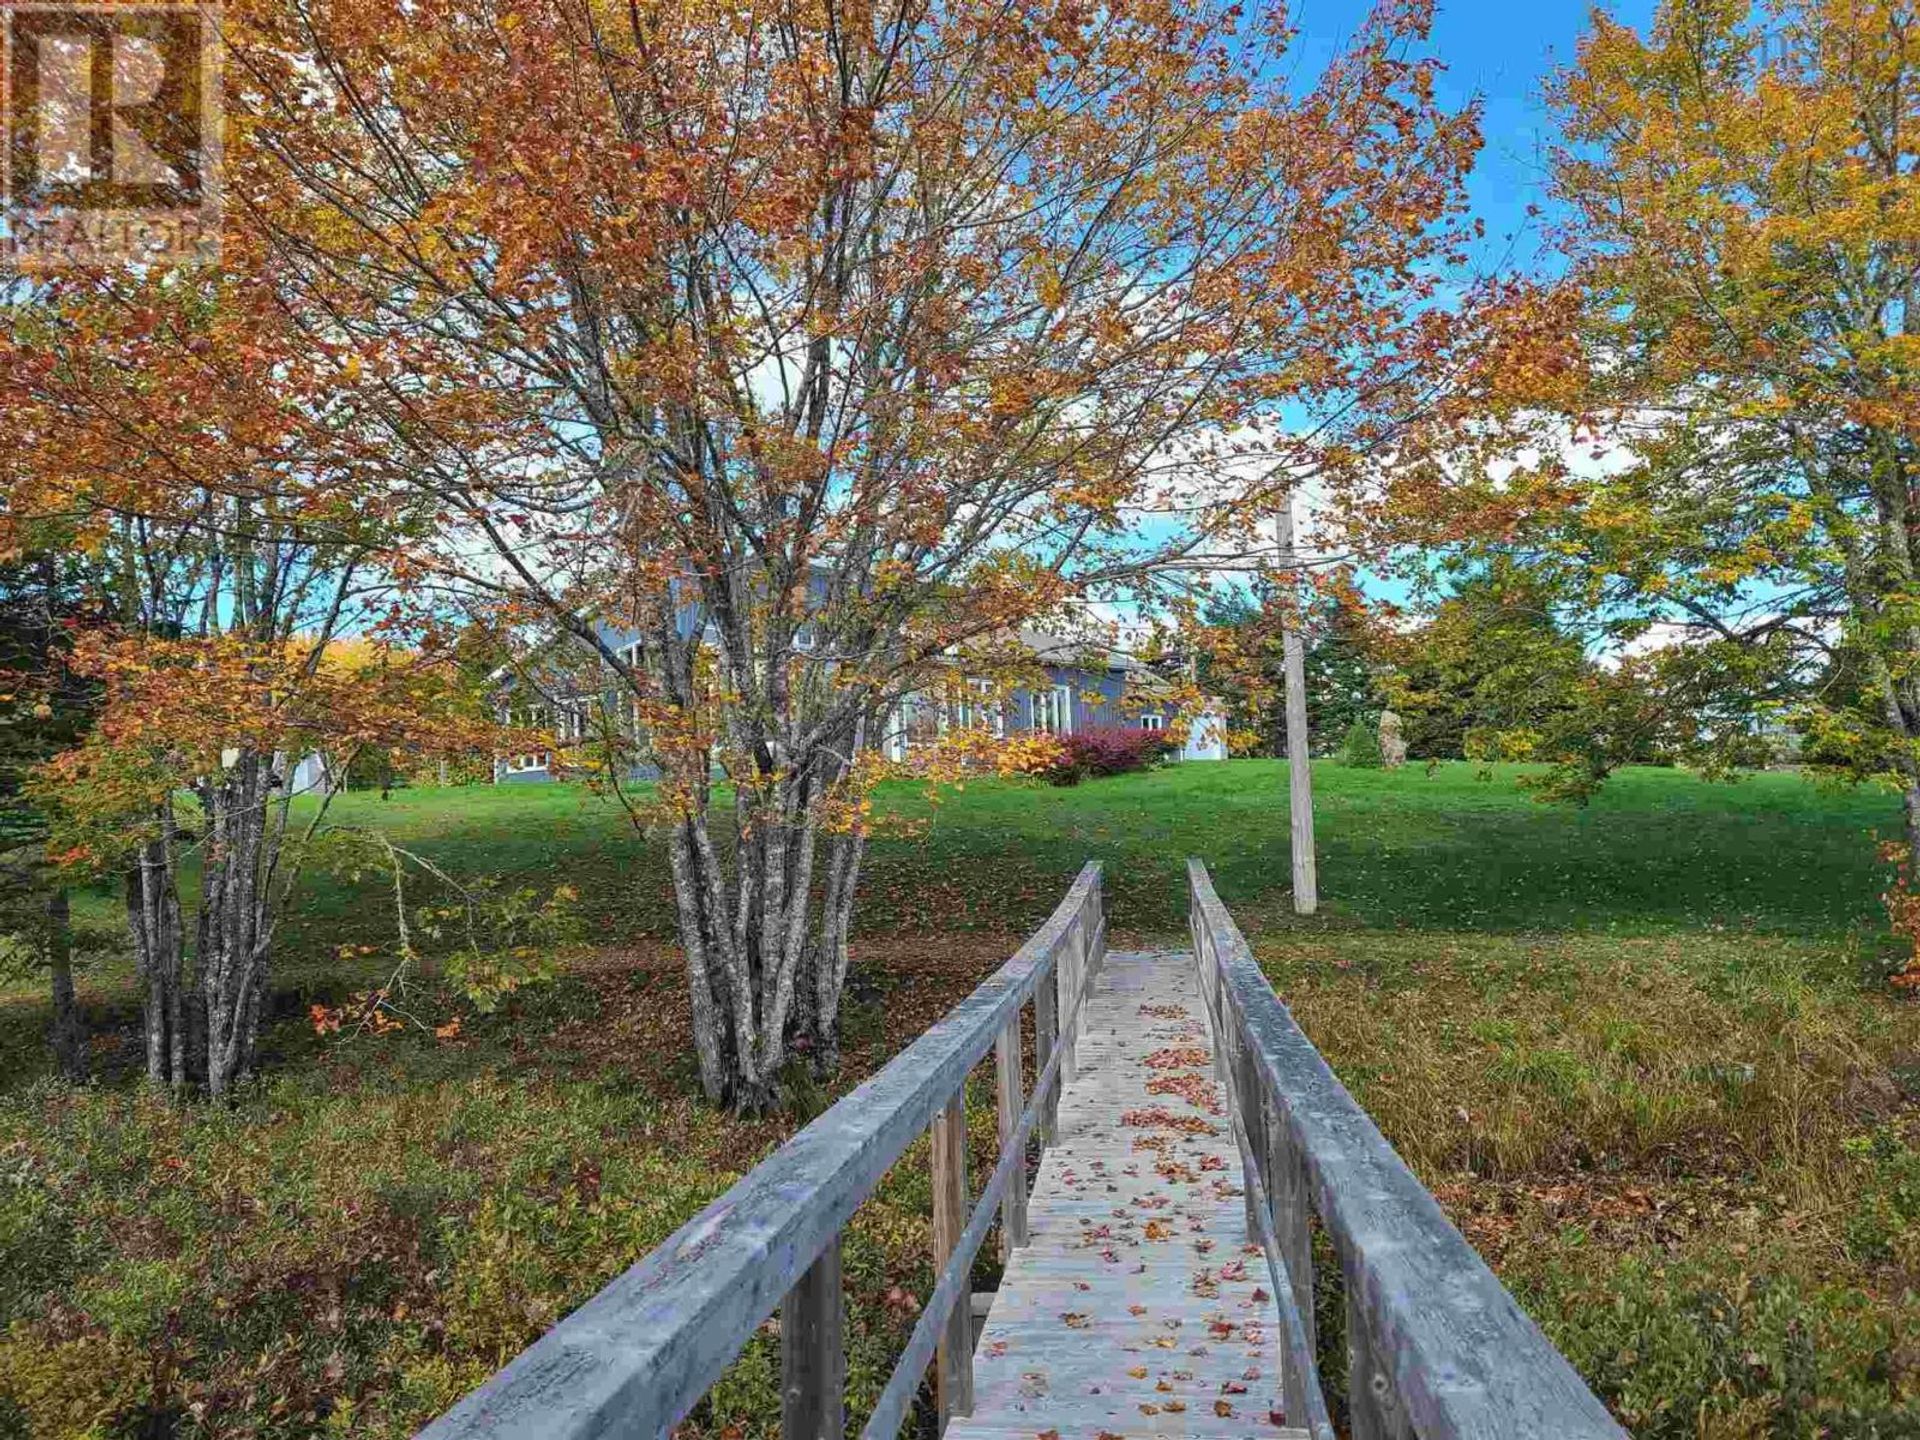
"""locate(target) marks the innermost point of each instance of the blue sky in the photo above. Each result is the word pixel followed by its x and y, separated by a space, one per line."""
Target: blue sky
pixel 1502 52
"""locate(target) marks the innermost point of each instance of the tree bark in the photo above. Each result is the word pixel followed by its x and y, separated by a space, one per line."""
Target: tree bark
pixel 830 954
pixel 69 1035
pixel 153 918
pixel 234 952
pixel 696 935
pixel 765 945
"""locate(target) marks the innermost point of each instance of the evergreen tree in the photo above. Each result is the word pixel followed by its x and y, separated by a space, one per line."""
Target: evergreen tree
pixel 1244 669
pixel 1360 748
pixel 44 708
pixel 1492 673
pixel 1342 686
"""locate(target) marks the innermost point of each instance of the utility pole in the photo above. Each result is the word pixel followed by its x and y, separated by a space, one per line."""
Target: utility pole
pixel 1306 887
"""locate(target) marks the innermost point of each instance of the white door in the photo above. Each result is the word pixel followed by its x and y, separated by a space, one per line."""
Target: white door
pixel 1206 737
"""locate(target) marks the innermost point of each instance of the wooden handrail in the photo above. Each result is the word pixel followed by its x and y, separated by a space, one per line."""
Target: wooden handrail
pixel 634 1359
pixel 1300 1368
pixel 951 1289
pixel 1437 1348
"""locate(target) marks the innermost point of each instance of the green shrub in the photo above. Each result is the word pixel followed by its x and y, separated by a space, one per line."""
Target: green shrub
pixel 80 1389
pixel 1361 749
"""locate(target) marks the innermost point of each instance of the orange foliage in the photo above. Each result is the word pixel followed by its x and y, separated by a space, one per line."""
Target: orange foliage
pixel 174 711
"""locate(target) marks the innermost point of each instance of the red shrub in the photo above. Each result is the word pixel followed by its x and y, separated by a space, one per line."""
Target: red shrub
pixel 1105 750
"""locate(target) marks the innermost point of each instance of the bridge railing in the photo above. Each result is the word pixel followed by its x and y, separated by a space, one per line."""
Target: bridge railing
pixel 1436 1347
pixel 637 1357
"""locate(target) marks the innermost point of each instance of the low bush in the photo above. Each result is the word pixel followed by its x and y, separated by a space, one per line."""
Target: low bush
pixel 1361 749
pixel 372 1229
pixel 1747 1340
pixel 1105 750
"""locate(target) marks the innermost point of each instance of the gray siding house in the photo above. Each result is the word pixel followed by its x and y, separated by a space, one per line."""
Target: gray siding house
pixel 1078 686
pixel 567 702
pixel 1083 687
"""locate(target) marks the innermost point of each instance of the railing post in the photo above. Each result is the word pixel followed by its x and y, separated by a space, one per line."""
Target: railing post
pixel 1374 1411
pixel 813 1355
pixel 1226 1047
pixel 1246 1100
pixel 953 1363
pixel 1286 1181
pixel 1203 957
pixel 1099 906
pixel 1067 971
pixel 1046 1031
pixel 1010 1087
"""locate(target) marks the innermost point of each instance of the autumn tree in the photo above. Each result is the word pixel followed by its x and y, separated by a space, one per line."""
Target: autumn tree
pixel 1732 367
pixel 812 343
pixel 200 453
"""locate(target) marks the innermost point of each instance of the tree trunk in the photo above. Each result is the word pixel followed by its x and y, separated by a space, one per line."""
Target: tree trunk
pixel 153 918
pixel 767 953
pixel 697 936
pixel 765 956
pixel 829 955
pixel 1902 709
pixel 232 962
pixel 69 1036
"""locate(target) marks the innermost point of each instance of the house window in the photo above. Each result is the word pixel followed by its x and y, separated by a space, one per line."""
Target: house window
pixel 923 719
pixel 575 726
pixel 532 717
pixel 976 709
pixel 893 741
pixel 1053 710
pixel 1153 722
pixel 631 654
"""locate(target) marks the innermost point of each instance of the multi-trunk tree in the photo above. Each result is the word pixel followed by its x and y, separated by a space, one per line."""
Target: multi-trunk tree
pixel 813 342
pixel 202 454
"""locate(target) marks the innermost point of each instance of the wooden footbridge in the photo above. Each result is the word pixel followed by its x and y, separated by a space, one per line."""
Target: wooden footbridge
pixel 1157 1196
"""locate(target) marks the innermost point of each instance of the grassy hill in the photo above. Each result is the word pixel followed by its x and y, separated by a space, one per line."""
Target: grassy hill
pixel 1459 847
pixel 1641 1050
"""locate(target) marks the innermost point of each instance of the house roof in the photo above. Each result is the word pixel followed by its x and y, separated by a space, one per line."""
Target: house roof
pixel 1084 651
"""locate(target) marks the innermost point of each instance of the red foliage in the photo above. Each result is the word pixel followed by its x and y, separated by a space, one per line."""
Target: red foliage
pixel 1105 750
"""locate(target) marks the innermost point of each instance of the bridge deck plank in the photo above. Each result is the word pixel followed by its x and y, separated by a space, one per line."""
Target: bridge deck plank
pixel 1139 1309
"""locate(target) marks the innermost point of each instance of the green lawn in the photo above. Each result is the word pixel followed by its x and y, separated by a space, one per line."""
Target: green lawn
pixel 1641 1050
pixel 1658 851
pixel 1459 848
